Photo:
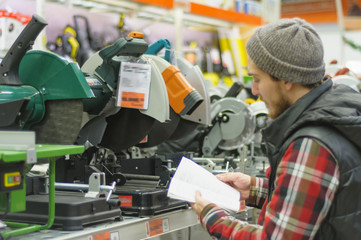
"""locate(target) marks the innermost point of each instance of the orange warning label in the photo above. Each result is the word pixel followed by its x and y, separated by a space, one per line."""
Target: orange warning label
pixel 132 100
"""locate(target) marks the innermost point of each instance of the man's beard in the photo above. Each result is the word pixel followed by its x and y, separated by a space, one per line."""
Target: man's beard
pixel 280 106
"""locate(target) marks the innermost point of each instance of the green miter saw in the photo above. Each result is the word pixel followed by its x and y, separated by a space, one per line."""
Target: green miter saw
pixel 41 91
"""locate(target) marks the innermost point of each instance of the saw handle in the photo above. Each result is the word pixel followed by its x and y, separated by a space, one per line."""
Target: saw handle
pixel 9 67
pixel 128 46
pixel 234 90
pixel 155 48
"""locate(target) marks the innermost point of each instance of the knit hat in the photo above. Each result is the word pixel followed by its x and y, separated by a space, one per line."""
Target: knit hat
pixel 288 49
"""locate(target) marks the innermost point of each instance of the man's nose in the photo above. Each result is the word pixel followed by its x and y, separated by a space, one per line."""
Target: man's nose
pixel 255 90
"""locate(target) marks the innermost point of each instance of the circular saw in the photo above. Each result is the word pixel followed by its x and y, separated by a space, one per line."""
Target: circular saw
pixel 233 124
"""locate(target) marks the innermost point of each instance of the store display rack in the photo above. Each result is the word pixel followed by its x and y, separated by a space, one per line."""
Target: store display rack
pixel 129 228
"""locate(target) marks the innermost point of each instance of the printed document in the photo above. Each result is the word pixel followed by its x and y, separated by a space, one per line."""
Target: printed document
pixel 190 177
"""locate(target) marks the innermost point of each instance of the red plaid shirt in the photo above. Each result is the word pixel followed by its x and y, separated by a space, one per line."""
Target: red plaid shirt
pixel 306 181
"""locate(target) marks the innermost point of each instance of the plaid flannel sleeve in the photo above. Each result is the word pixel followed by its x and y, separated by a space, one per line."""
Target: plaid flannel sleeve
pixel 258 192
pixel 306 181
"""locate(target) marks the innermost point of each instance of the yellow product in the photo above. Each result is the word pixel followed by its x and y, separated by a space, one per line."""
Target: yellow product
pixel 228 81
pixel 212 77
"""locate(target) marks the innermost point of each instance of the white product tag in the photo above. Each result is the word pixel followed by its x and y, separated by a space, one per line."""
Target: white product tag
pixel 31 156
pixel 134 85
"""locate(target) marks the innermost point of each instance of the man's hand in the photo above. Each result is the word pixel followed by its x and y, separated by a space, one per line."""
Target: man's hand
pixel 237 180
pixel 199 204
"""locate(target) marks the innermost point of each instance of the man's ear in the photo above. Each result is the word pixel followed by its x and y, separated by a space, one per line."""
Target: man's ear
pixel 288 85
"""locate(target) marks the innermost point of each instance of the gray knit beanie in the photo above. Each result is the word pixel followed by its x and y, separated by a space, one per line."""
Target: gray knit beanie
pixel 288 49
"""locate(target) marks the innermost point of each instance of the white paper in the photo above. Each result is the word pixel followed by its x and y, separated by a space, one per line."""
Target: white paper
pixel 190 177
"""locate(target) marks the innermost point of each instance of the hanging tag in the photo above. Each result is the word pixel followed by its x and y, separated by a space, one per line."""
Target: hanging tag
pixel 31 155
pixel 134 84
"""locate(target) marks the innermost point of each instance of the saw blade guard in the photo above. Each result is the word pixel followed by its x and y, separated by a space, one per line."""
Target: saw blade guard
pixel 54 77
pixel 158 107
pixel 161 130
pixel 183 98
pixel 201 115
pixel 243 119
pixel 20 106
pixel 234 125
pixel 62 87
pixel 193 74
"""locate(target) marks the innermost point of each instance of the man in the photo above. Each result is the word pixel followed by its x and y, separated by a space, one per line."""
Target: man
pixel 313 145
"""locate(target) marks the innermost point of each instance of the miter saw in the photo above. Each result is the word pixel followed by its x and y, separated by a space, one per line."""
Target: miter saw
pixel 234 140
pixel 112 129
pixel 233 125
pixel 169 97
pixel 41 91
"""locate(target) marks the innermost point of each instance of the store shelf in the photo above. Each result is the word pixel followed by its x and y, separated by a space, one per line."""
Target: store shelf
pixel 136 227
pixel 320 17
pixel 225 15
pixel 129 228
pixel 318 11
pixel 181 13
pixel 194 13
pixel 159 3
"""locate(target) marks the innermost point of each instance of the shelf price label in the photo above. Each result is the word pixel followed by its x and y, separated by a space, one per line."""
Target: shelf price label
pixel 105 236
pixel 134 85
pixel 157 226
pixel 100 236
